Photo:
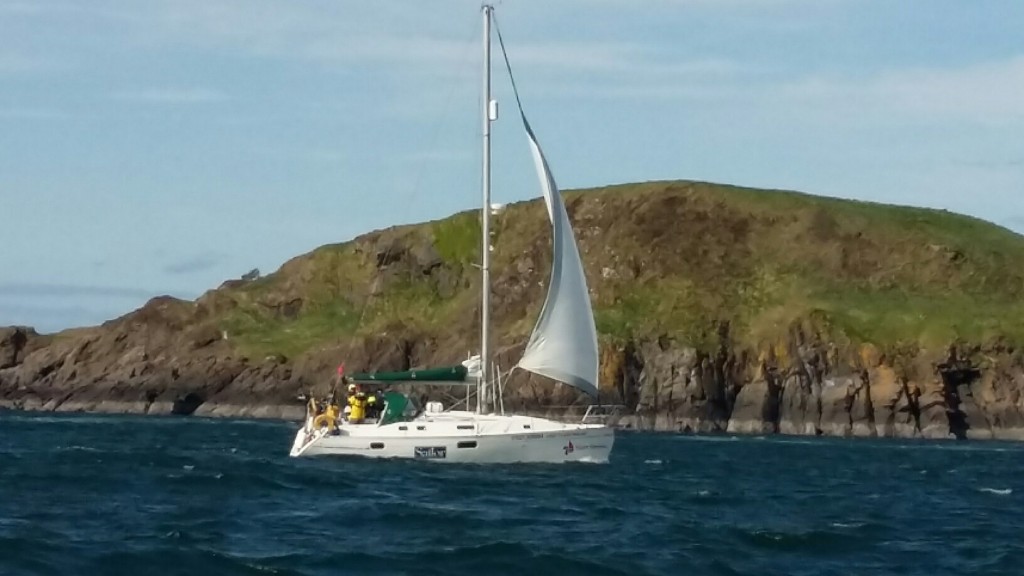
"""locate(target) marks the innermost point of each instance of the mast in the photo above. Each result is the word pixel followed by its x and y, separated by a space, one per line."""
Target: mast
pixel 485 215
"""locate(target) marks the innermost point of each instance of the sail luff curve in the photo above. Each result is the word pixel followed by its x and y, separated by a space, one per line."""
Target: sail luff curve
pixel 563 345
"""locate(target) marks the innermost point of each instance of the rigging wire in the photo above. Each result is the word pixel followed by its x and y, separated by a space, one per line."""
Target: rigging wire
pixel 420 174
pixel 508 67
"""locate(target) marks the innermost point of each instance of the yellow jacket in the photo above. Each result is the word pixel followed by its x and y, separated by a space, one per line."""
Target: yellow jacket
pixel 358 408
pixel 333 411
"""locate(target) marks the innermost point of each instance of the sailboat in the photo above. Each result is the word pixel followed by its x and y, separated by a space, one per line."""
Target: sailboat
pixel 562 347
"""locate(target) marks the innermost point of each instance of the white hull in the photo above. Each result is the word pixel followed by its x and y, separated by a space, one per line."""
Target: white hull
pixel 464 437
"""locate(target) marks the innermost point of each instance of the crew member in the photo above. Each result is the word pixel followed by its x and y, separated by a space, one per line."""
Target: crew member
pixel 327 416
pixel 372 406
pixel 357 401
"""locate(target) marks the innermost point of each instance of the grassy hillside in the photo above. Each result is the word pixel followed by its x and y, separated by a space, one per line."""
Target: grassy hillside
pixel 663 258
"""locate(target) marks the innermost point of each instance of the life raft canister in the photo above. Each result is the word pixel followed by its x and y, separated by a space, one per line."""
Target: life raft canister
pixel 329 418
pixel 324 420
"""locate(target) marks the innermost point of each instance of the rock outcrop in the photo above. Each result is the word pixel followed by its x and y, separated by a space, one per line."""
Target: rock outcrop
pixel 720 310
pixel 959 393
pixel 158 368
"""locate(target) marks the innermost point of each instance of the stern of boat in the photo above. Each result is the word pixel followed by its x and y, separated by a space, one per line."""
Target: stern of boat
pixel 594 444
pixel 603 414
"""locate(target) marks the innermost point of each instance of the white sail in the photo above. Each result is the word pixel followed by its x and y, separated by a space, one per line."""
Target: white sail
pixel 563 345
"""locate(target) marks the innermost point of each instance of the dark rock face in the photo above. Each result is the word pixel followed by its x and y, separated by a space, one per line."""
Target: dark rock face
pixel 186 405
pixel 15 343
pixel 681 390
pixel 153 362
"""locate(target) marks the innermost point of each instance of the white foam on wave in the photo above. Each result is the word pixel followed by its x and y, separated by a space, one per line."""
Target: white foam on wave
pixel 652 461
pixel 188 467
pixel 847 524
pixel 706 438
pixel 997 491
pixel 797 441
pixel 78 449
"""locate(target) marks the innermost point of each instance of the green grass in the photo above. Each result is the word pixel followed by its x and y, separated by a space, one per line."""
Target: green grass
pixel 258 336
pixel 685 257
pixel 457 238
pixel 893 316
pixel 412 305
pixel 677 308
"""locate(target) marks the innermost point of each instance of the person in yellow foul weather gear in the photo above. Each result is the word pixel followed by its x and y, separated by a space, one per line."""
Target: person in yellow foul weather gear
pixel 356 401
pixel 334 413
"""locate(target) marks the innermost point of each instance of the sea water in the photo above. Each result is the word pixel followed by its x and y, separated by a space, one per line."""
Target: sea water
pixel 142 495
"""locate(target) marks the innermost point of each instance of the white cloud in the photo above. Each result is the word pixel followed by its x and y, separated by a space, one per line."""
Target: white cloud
pixel 443 155
pixel 43 290
pixel 987 92
pixel 172 96
pixel 326 155
pixel 342 34
pixel 19 63
pixel 24 8
pixel 196 263
pixel 1015 223
pixel 731 4
pixel 30 113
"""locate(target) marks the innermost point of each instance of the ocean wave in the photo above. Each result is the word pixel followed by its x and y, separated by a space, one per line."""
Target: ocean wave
pixel 997 491
pixel 847 524
pixel 75 448
pixel 706 438
pixel 236 504
pixel 818 540
pixel 30 555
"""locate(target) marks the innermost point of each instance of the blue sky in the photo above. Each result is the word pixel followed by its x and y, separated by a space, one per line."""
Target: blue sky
pixel 161 147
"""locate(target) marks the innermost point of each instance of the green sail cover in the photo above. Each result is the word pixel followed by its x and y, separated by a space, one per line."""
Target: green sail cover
pixel 394 408
pixel 447 374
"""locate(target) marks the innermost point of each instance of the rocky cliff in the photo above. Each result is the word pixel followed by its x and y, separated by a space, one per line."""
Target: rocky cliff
pixel 719 309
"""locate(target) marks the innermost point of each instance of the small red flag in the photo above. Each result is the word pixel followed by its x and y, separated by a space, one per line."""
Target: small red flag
pixel 341 369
